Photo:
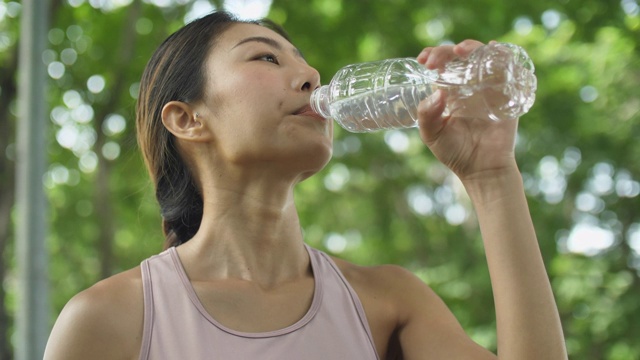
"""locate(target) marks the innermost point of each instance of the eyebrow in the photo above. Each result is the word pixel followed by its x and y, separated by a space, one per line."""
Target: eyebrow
pixel 269 41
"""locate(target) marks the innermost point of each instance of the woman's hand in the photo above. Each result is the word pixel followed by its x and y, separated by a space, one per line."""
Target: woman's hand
pixel 472 147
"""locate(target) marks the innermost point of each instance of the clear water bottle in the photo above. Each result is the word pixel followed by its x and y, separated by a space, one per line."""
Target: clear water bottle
pixel 496 81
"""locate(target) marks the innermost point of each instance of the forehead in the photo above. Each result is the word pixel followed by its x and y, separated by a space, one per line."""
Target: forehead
pixel 239 32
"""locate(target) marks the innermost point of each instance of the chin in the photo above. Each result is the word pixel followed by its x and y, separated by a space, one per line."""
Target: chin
pixel 315 164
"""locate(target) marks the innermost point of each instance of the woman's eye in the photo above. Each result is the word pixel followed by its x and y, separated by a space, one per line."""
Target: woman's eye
pixel 269 57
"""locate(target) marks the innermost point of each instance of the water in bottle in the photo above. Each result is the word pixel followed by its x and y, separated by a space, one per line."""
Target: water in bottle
pixel 496 82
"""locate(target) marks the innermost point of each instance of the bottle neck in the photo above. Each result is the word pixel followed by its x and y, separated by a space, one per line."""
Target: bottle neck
pixel 320 101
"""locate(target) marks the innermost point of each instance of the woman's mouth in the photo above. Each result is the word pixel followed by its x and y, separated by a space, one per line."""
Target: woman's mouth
pixel 307 111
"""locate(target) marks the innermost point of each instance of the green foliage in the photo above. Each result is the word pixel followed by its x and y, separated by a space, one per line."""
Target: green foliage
pixel 384 198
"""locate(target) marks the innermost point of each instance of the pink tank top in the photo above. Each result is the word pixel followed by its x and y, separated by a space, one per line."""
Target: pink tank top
pixel 177 326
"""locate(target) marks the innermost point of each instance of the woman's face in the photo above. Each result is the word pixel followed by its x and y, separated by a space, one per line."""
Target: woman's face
pixel 256 102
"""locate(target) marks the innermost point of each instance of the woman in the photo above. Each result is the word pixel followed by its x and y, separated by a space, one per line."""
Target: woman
pixel 226 130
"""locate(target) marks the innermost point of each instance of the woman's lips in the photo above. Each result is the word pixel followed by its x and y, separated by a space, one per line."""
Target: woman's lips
pixel 307 111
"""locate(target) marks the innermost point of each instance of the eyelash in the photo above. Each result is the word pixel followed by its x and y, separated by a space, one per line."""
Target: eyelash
pixel 273 56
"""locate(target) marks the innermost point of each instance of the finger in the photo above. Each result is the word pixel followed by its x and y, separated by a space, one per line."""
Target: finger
pixel 430 119
pixel 439 56
pixel 424 55
pixel 466 47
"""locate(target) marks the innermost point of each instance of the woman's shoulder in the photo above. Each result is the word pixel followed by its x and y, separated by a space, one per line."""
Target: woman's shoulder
pixel 122 291
pixel 397 289
pixel 104 321
pixel 391 296
pixel 379 277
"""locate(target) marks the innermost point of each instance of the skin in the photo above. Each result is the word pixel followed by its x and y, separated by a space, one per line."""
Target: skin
pixel 248 147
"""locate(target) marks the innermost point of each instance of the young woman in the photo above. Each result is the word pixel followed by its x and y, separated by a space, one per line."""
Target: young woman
pixel 226 130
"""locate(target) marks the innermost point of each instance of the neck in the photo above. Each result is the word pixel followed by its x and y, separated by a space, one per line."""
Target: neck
pixel 249 231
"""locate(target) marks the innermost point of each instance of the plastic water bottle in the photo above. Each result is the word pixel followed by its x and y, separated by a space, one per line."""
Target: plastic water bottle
pixel 496 82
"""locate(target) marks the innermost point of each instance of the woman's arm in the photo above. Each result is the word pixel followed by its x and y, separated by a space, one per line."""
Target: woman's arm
pixel 481 154
pixel 528 323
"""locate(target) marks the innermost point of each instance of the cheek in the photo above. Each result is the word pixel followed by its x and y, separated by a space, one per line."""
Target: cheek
pixel 243 117
pixel 252 94
pixel 247 104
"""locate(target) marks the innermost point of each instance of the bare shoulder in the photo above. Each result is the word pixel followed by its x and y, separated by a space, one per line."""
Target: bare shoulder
pixel 104 321
pixel 383 290
pixel 393 283
pixel 379 277
pixel 409 315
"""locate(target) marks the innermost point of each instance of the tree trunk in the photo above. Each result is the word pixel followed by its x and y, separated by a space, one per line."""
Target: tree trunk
pixel 7 187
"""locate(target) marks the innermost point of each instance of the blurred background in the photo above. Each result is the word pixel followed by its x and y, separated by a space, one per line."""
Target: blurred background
pixel 383 198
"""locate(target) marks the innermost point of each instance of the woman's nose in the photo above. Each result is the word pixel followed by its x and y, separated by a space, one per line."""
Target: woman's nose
pixel 309 79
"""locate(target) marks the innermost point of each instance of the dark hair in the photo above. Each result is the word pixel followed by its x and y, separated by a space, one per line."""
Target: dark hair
pixel 176 72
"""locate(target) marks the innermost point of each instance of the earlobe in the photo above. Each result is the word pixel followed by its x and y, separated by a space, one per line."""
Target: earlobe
pixel 183 122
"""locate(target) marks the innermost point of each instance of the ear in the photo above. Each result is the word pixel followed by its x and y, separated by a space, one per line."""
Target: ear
pixel 180 119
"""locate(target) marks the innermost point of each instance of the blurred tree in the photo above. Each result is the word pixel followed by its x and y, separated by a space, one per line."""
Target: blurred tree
pixel 7 185
pixel 383 198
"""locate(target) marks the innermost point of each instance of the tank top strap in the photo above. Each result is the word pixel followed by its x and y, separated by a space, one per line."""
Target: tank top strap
pixel 148 310
pixel 326 264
